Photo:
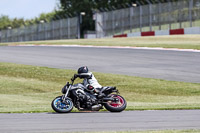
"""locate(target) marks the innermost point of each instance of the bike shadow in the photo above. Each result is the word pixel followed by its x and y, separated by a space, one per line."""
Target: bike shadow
pixel 79 112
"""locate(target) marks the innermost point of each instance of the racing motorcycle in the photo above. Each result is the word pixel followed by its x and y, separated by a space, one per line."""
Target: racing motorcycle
pixel 76 95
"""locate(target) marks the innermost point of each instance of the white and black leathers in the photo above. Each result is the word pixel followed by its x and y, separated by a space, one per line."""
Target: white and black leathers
pixel 90 80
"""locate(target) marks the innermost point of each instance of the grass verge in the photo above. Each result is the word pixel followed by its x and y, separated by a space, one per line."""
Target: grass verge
pixel 25 88
pixel 176 41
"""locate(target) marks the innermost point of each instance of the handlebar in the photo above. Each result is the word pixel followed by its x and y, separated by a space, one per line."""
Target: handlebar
pixel 74 78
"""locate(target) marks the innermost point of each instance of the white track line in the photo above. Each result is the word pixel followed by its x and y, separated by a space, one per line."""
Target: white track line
pixel 119 47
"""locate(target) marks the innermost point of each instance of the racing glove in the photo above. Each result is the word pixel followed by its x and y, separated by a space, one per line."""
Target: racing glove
pixel 89 87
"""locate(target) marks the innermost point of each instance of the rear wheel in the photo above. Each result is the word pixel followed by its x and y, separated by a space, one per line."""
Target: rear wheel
pixel 61 106
pixel 118 105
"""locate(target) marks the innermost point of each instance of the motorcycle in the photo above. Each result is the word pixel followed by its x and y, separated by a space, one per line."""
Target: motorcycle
pixel 76 95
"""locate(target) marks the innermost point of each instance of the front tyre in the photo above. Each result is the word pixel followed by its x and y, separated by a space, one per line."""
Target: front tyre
pixel 61 106
pixel 118 105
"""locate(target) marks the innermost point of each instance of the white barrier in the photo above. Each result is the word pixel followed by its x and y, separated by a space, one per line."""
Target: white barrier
pixel 135 34
pixel 90 36
pixel 192 30
pixel 161 32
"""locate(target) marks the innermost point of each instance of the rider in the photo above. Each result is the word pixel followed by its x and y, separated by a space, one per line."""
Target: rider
pixel 90 82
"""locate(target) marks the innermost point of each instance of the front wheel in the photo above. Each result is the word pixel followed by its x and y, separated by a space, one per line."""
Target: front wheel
pixel 118 105
pixel 61 106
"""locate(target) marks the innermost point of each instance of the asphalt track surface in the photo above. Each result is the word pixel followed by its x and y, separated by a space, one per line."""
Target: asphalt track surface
pixel 159 64
pixel 100 121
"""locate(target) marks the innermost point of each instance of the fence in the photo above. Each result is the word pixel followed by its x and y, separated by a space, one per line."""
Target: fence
pixel 151 17
pixel 59 29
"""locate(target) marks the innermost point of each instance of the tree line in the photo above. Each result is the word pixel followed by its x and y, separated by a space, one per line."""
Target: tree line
pixel 7 23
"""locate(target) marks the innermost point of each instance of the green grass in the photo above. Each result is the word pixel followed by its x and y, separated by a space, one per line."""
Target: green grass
pixel 176 41
pixel 26 88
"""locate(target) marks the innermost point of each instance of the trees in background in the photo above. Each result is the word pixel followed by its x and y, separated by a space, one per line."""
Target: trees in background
pixel 6 22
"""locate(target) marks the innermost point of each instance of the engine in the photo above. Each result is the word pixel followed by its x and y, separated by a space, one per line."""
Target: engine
pixel 86 99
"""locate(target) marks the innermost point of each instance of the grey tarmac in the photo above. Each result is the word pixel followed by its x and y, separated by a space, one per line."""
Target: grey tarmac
pixel 159 64
pixel 100 121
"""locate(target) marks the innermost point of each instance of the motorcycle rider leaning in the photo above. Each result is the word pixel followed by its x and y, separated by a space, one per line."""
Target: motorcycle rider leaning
pixel 90 82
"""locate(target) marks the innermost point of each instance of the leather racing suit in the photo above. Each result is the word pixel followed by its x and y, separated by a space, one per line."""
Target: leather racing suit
pixel 90 82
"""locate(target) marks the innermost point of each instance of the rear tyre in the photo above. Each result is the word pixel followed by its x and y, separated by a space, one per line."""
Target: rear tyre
pixel 61 106
pixel 117 106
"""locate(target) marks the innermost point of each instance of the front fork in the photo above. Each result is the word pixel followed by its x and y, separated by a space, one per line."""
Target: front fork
pixel 66 94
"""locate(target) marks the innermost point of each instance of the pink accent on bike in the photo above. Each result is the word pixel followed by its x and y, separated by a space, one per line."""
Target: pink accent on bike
pixel 118 104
